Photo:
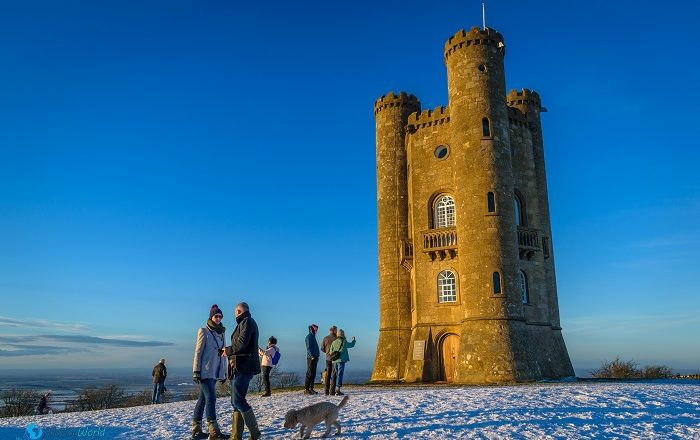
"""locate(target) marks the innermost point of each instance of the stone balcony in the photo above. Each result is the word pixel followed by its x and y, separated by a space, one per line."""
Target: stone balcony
pixel 528 242
pixel 440 243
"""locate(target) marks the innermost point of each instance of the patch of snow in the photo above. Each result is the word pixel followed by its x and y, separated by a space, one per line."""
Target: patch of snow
pixel 546 410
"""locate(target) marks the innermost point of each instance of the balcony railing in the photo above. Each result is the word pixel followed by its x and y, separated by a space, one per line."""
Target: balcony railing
pixel 528 241
pixel 407 254
pixel 440 243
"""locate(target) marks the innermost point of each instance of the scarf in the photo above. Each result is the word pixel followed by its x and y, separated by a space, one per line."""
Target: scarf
pixel 220 329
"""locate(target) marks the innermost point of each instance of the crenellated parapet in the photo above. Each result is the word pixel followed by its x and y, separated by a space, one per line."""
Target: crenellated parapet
pixel 393 100
pixel 524 98
pixel 428 118
pixel 476 36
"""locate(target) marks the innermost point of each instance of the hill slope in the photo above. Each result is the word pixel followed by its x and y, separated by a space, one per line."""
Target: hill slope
pixel 562 410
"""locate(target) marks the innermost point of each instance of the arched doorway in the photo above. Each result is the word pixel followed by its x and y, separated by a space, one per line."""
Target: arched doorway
pixel 449 349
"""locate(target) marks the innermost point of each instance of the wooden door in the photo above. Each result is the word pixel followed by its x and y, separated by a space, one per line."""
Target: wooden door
pixel 450 349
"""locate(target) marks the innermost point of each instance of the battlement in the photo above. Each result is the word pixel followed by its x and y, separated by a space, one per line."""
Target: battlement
pixel 428 118
pixel 476 36
pixel 524 97
pixel 393 100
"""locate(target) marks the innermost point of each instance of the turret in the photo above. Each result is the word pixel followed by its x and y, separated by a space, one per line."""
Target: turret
pixel 488 243
pixel 529 103
pixel 391 114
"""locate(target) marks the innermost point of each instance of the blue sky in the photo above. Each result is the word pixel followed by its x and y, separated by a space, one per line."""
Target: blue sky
pixel 158 157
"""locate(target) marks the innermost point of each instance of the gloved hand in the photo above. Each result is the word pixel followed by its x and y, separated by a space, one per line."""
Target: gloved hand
pixel 196 377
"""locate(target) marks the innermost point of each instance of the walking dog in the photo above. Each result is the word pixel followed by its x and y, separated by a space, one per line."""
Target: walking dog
pixel 311 415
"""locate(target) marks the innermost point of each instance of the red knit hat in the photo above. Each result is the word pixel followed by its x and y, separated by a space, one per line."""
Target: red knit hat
pixel 214 310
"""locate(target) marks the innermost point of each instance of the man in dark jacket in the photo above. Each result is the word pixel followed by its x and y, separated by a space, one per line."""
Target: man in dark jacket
pixel 243 365
pixel 312 354
pixel 326 348
pixel 159 374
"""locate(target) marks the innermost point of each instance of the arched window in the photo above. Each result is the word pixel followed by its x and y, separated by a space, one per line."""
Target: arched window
pixel 491 201
pixel 444 212
pixel 496 283
pixel 447 287
pixel 486 127
pixel 519 211
pixel 524 288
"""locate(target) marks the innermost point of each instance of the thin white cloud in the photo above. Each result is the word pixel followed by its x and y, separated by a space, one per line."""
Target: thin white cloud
pixel 6 321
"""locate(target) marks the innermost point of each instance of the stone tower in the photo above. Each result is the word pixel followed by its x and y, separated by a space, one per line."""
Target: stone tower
pixel 466 268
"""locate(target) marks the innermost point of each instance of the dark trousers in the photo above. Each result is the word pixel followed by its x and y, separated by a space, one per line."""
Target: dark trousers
pixel 239 389
pixel 157 392
pixel 310 373
pixel 207 400
pixel 266 378
pixel 329 373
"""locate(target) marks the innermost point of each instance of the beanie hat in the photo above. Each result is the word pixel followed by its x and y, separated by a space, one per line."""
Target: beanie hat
pixel 313 328
pixel 214 310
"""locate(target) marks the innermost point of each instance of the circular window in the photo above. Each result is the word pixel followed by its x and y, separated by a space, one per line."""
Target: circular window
pixel 483 68
pixel 441 152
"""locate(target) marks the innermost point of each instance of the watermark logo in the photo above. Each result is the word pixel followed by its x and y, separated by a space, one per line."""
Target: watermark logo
pixel 34 431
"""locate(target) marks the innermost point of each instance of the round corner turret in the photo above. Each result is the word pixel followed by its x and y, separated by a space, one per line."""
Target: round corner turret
pixel 475 36
pixel 402 99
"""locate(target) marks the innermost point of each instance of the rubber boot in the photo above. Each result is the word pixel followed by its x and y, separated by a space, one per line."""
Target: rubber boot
pixel 252 424
pixel 197 430
pixel 338 392
pixel 238 426
pixel 214 430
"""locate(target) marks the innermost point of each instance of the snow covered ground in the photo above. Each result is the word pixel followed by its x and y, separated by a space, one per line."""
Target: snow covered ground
pixel 669 409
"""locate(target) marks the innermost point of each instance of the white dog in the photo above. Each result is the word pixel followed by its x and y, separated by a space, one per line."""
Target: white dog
pixel 312 415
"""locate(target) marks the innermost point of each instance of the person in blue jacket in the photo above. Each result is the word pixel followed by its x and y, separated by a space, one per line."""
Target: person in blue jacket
pixel 312 354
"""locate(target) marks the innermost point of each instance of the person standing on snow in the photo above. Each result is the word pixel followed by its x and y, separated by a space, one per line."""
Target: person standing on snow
pixel 312 354
pixel 326 348
pixel 44 407
pixel 159 374
pixel 243 365
pixel 266 361
pixel 209 365
pixel 339 357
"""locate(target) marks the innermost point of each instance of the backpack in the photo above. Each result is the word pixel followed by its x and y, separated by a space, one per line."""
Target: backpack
pixel 276 357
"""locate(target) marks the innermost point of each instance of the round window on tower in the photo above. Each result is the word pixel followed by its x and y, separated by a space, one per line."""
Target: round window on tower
pixel 441 152
pixel 483 68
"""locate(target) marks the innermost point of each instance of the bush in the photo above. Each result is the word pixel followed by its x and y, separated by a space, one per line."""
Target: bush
pixel 656 372
pixel 278 379
pixel 19 403
pixel 619 369
pixel 90 399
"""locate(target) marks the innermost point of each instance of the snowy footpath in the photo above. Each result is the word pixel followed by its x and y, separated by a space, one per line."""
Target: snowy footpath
pixel 649 410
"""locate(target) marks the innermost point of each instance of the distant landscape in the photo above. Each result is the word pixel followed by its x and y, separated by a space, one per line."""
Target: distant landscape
pixel 66 384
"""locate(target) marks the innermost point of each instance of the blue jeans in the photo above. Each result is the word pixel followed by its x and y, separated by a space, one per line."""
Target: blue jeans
pixel 207 400
pixel 339 368
pixel 157 392
pixel 239 388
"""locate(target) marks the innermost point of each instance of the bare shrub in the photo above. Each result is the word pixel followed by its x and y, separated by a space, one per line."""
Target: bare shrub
pixel 656 372
pixel 145 397
pixel 285 380
pixel 617 369
pixel 90 399
pixel 19 403
pixel 278 379
pixel 193 394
